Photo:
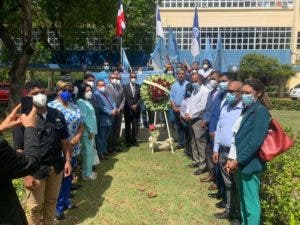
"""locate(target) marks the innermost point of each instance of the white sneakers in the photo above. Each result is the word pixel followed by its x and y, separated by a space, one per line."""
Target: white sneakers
pixel 92 177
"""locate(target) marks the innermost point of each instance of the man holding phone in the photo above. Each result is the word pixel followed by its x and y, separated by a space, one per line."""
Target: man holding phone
pixel 16 164
pixel 42 187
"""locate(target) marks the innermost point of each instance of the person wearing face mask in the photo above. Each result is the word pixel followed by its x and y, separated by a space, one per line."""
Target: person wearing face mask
pixel 169 70
pixel 213 118
pixel 132 109
pixel 249 132
pixel 75 128
pixel 177 94
pixel 42 187
pixel 90 124
pixel 193 115
pixel 230 112
pixel 206 69
pixel 213 87
pixel 115 90
pixel 103 75
pixel 106 113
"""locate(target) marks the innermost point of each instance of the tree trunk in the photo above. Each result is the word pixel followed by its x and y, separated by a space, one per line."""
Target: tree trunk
pixel 19 61
pixel 281 88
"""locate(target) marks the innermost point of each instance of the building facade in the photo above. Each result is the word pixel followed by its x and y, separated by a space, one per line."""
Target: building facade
pixel 270 27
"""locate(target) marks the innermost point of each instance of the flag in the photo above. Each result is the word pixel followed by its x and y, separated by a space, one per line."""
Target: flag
pixel 195 48
pixel 172 47
pixel 219 63
pixel 159 27
pixel 120 26
pixel 208 51
pixel 125 62
pixel 159 54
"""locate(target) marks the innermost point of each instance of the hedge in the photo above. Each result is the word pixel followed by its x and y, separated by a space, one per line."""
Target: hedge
pixel 285 104
pixel 280 194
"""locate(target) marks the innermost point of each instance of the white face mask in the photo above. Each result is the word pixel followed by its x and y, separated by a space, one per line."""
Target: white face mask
pixel 106 68
pixel 133 80
pixel 140 72
pixel 205 66
pixel 75 91
pixel 114 81
pixel 213 84
pixel 102 89
pixel 170 72
pixel 88 95
pixel 118 82
pixel 91 83
pixel 39 100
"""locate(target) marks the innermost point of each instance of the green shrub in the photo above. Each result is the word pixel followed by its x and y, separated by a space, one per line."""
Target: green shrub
pixel 281 189
pixel 285 104
pixel 18 184
pixel 271 88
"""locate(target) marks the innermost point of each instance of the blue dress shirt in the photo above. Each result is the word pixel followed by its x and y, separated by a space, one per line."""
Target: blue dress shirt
pixel 228 117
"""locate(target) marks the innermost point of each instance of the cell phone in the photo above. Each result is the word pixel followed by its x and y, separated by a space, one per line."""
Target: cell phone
pixel 26 105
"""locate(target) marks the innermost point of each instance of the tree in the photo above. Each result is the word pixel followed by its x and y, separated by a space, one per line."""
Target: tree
pixel 16 15
pixel 281 76
pixel 267 69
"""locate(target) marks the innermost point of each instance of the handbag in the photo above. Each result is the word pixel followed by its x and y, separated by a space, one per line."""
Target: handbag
pixel 276 142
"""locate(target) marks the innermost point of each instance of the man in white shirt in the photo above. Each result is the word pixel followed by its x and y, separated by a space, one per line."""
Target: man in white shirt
pixel 193 114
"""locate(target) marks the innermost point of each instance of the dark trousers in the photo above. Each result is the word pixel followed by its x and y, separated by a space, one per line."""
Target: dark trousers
pixel 180 128
pixel 131 127
pixel 114 137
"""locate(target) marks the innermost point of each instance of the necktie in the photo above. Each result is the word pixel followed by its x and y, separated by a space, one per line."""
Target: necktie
pixel 132 89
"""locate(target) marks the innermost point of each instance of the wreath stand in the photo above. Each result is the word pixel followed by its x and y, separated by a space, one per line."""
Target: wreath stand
pixel 161 145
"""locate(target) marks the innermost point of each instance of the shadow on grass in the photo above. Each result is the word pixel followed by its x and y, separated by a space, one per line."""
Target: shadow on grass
pixel 89 198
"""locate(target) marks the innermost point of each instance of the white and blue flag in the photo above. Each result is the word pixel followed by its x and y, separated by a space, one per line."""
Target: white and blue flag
pixel 125 61
pixel 208 54
pixel 195 48
pixel 159 27
pixel 172 47
pixel 220 63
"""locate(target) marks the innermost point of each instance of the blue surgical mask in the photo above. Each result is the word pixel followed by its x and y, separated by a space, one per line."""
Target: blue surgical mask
pixel 230 97
pixel 248 99
pixel 223 85
pixel 196 85
pixel 66 96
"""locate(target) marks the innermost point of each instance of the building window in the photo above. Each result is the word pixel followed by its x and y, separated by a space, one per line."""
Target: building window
pixel 227 3
pixel 238 37
pixel 298 40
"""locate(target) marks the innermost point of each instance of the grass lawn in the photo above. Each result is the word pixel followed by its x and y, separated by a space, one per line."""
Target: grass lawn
pixel 120 193
pixel 288 118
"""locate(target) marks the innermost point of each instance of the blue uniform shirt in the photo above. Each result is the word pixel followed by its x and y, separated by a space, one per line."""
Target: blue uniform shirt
pixel 178 91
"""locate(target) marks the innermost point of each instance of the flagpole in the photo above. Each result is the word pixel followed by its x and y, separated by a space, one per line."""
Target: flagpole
pixel 121 47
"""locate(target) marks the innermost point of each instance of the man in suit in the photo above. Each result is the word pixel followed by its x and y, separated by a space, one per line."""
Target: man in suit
pixel 132 109
pixel 116 92
pixel 107 111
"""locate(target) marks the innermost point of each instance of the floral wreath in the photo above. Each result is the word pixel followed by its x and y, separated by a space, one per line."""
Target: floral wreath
pixel 155 92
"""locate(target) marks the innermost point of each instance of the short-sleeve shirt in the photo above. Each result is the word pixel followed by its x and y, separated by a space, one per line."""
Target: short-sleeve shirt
pixel 73 119
pixel 51 128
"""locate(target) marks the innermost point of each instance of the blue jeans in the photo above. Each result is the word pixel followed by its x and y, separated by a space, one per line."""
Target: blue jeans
pixel 103 136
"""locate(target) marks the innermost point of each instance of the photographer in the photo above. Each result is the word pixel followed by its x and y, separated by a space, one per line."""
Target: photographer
pixel 17 164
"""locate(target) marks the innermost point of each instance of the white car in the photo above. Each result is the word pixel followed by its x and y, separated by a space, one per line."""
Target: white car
pixel 295 92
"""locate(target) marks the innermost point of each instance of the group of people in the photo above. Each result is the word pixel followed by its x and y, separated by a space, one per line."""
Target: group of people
pixel 221 124
pixel 83 119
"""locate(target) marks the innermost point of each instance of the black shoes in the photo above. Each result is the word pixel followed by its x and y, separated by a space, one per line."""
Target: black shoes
pixel 217 195
pixel 60 216
pixel 222 215
pixel 75 187
pixel 199 172
pixel 193 165
pixel 221 204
